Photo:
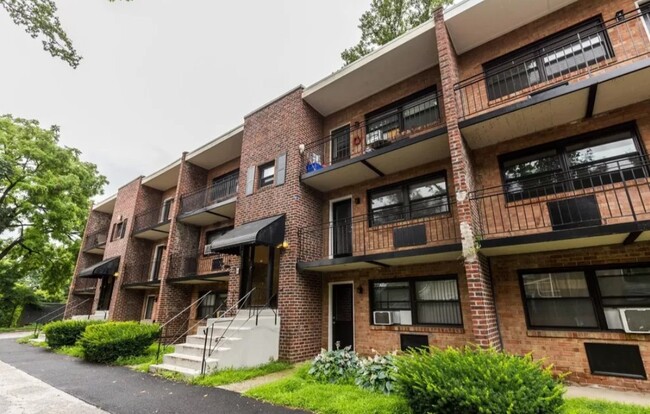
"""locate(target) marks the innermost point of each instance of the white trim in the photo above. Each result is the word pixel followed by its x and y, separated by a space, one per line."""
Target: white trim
pixel 161 171
pixel 330 249
pixel 162 209
pixel 221 138
pixel 347 124
pixel 153 308
pixel 638 5
pixel 329 313
pixel 153 262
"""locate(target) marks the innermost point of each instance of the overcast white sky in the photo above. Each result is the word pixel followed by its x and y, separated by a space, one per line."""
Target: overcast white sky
pixel 160 77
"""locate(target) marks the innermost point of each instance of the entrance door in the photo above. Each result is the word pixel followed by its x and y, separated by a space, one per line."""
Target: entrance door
pixel 342 316
pixel 342 228
pixel 157 262
pixel 105 293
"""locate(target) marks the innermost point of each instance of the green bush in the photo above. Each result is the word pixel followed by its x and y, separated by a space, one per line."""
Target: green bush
pixel 107 342
pixel 472 380
pixel 65 333
pixel 377 373
pixel 337 366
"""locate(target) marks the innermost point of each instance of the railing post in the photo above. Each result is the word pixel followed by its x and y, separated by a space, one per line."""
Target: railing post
pixel 627 192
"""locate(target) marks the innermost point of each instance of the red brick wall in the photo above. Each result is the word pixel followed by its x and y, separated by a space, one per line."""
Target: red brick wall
pixel 369 338
pixel 563 348
pixel 273 130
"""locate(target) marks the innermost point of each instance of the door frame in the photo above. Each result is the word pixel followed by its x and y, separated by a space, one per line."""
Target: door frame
pixel 153 262
pixel 330 332
pixel 331 221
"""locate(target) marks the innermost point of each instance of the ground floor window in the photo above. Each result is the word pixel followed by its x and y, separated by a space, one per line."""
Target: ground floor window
pixel 589 298
pixel 149 307
pixel 424 301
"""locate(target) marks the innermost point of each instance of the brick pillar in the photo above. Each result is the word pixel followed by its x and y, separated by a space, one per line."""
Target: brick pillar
pixel 182 242
pixel 485 328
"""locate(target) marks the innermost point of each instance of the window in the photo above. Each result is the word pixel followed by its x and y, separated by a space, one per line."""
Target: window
pixel 421 197
pixel 149 307
pixel 555 56
pixel 415 111
pixel 210 305
pixel 599 158
pixel 427 301
pixel 644 8
pixel 267 174
pixel 211 236
pixel 166 210
pixel 584 299
pixel 341 144
pixel 224 186
pixel 119 230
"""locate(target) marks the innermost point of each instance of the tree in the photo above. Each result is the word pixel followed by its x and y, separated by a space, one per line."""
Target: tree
pixel 388 19
pixel 45 192
pixel 39 19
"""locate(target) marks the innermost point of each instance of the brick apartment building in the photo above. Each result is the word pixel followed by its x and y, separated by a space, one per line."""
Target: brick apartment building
pixel 481 179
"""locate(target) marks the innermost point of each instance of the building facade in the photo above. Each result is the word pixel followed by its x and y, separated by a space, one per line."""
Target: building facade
pixel 481 179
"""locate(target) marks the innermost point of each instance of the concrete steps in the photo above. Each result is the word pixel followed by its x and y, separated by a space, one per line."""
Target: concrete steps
pixel 231 343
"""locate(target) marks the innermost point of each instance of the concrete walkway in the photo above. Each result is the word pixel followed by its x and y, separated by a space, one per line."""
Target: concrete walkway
pixel 598 393
pixel 241 387
pixel 120 390
pixel 21 394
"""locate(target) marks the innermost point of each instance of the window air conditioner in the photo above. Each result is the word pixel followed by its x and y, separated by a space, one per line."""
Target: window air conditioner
pixel 636 320
pixel 382 318
pixel 207 249
pixel 405 317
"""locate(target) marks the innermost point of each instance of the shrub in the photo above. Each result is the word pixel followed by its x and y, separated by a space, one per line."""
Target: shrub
pixel 107 342
pixel 65 333
pixel 337 366
pixel 472 380
pixel 377 373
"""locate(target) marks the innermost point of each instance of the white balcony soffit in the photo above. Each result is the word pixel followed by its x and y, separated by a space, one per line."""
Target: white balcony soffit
pixel 220 150
pixel 165 178
pixel 405 56
pixel 107 205
pixel 471 23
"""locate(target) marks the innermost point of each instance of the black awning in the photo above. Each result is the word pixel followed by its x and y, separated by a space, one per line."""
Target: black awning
pixel 106 267
pixel 268 232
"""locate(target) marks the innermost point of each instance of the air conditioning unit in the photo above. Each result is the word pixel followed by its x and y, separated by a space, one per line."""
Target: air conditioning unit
pixel 207 249
pixel 382 318
pixel 405 317
pixel 636 320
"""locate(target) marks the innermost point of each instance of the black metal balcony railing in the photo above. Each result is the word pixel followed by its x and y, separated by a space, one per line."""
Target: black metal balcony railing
pixel 150 219
pixel 356 236
pixel 212 194
pixel 142 272
pixel 609 44
pixel 96 239
pixel 376 132
pixel 184 266
pixel 85 284
pixel 611 192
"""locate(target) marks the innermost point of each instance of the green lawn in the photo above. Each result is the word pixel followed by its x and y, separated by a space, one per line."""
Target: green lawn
pixel 138 363
pixel 300 391
pixel 27 328
pixel 230 376
pixel 585 406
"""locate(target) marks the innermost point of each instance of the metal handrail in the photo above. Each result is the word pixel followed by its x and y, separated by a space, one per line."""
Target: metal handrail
pixel 183 334
pixel 230 321
pixel 57 312
pixel 257 310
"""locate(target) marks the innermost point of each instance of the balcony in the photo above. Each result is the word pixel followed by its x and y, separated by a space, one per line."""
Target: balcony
pixel 201 269
pixel 402 138
pixel 153 224
pixel 85 286
pixel 596 70
pixel 95 242
pixel 142 275
pixel 356 244
pixel 606 203
pixel 210 205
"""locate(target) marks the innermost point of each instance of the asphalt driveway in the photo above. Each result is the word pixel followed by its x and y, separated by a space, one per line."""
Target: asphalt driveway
pixel 121 390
